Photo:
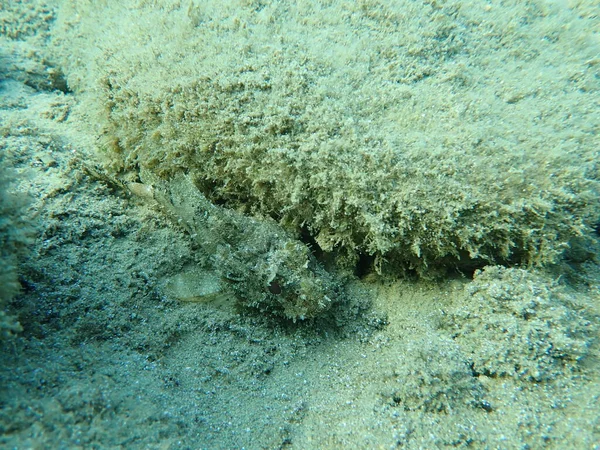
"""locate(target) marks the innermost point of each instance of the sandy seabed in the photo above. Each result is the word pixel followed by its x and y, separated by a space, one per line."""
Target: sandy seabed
pixel 111 357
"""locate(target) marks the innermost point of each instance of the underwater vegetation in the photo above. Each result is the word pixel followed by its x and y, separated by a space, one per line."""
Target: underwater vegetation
pixel 386 158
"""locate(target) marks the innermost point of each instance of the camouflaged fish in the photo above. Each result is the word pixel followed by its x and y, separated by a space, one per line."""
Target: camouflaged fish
pixel 266 267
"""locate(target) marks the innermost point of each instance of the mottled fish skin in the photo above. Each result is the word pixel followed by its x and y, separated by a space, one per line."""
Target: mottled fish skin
pixel 266 267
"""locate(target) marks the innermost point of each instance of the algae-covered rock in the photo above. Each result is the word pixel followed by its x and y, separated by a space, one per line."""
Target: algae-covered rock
pixel 14 237
pixel 386 131
pixel 517 323
pixel 436 381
